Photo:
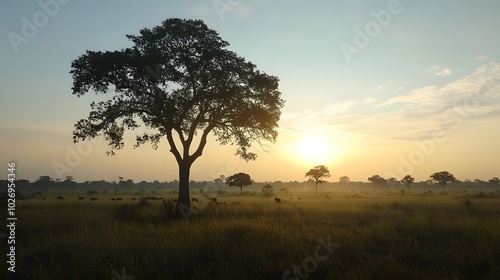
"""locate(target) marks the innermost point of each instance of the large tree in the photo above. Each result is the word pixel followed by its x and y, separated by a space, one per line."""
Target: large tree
pixel 179 81
pixel 317 173
pixel 443 178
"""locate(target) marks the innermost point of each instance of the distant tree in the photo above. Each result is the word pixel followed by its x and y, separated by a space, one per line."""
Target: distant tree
pixel 407 180
pixel 267 188
pixel 129 183
pixel 239 180
pixel 69 182
pixel 443 178
pixel 393 182
pixel 44 182
pixel 317 173
pixel 220 181
pixel 344 180
pixel 494 181
pixel 378 181
pixel 180 82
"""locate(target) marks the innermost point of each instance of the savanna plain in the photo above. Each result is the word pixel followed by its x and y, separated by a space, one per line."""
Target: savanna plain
pixel 337 234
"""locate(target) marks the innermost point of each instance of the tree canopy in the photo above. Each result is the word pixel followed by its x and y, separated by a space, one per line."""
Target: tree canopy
pixel 407 180
pixel 443 178
pixel 378 181
pixel 239 180
pixel 180 82
pixel 317 173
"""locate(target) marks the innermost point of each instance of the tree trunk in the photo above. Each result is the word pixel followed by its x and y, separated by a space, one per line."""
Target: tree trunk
pixel 183 207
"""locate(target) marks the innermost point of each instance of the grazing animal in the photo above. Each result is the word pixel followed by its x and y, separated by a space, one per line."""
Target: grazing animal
pixel 81 198
pixel 44 198
pixel 213 199
pixel 93 198
pixel 133 198
pixel 194 199
pixel 113 198
pixel 60 197
pixel 119 198
pixel 277 199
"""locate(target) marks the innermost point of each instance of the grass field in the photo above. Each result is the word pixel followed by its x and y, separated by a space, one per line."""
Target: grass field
pixel 338 235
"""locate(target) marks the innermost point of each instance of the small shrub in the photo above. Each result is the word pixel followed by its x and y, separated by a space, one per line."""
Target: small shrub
pixel 267 188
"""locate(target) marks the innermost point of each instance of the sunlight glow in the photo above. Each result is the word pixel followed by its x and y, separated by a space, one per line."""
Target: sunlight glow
pixel 313 150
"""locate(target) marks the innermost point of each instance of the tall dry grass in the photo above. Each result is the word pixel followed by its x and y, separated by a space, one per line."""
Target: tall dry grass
pixel 381 236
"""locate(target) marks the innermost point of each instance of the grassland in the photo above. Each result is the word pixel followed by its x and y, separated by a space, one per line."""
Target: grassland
pixel 382 235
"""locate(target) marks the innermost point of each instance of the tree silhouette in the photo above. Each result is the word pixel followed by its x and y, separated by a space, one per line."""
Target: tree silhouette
pixel 180 82
pixel 378 181
pixel 443 178
pixel 239 180
pixel 44 182
pixel 317 173
pixel 494 181
pixel 407 180
pixel 344 180
pixel 267 188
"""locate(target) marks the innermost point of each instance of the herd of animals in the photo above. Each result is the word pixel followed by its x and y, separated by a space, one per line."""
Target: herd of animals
pixel 194 199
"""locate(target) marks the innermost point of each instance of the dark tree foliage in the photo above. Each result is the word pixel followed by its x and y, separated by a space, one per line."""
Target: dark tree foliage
pixel 443 178
pixel 378 181
pixel 239 180
pixel 407 180
pixel 344 180
pixel 317 173
pixel 495 181
pixel 180 82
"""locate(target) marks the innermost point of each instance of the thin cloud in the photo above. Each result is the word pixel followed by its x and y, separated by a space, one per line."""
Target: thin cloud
pixel 440 71
pixel 418 114
pixel 370 100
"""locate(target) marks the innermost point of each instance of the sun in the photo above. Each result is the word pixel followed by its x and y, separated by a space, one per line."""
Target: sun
pixel 313 150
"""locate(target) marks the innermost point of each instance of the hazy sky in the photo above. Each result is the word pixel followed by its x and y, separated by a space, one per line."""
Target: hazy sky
pixel 376 87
